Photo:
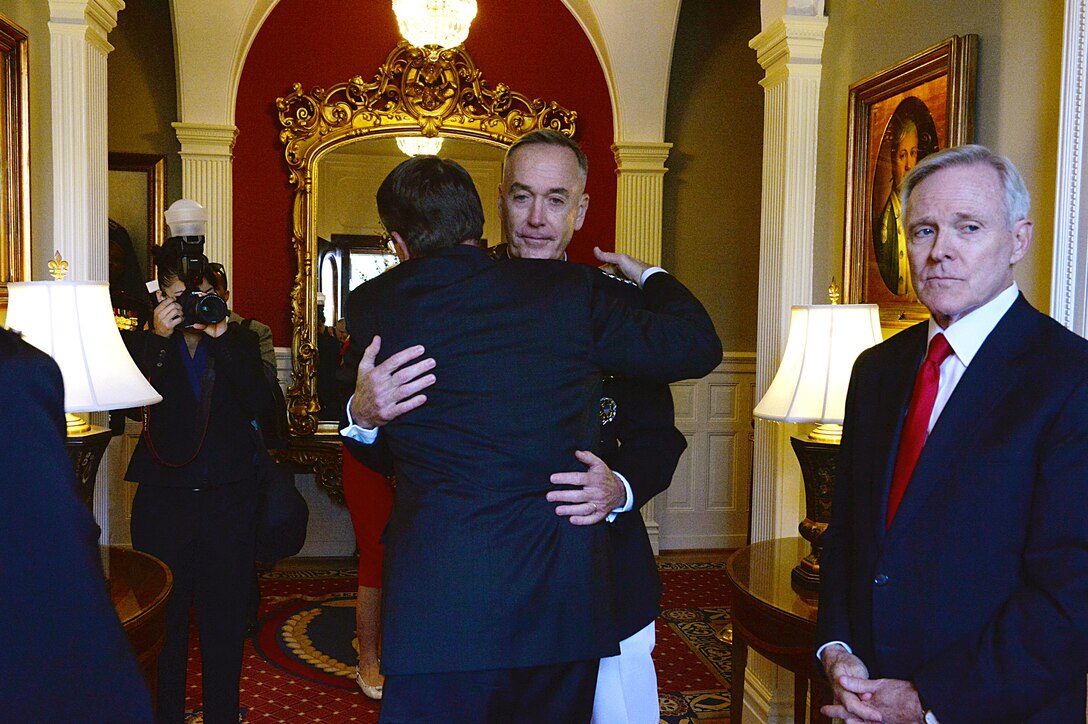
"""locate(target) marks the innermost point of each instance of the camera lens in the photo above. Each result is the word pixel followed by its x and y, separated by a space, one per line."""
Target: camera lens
pixel 210 309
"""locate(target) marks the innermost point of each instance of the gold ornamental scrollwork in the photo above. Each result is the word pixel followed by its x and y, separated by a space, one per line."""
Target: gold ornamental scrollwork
pixel 417 91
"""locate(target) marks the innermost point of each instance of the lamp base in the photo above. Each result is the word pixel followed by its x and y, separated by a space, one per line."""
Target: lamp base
pixel 85 450
pixel 817 460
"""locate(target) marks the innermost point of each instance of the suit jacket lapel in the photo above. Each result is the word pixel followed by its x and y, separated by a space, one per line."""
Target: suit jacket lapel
pixel 999 358
pixel 897 383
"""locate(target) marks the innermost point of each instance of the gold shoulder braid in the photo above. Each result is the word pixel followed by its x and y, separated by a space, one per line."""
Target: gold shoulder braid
pixel 617 277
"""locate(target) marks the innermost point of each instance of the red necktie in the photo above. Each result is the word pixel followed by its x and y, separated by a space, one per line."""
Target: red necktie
pixel 915 427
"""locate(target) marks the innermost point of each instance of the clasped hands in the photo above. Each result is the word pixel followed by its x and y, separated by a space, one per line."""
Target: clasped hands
pixel 860 700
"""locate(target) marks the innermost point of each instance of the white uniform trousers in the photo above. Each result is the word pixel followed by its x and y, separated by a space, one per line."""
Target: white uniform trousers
pixel 627 684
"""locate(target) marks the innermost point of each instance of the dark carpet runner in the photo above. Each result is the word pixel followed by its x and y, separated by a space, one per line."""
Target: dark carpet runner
pixel 299 667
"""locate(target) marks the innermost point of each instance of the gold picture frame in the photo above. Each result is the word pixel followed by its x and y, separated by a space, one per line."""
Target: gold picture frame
pixel 15 153
pixel 897 117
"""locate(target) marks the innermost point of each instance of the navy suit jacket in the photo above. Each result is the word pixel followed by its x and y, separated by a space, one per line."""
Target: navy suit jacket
pixel 643 444
pixel 480 572
pixel 65 657
pixel 979 591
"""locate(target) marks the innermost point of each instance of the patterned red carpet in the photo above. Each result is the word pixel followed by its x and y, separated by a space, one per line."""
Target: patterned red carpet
pixel 300 665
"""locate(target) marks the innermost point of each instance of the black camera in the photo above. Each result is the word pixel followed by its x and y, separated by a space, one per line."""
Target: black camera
pixel 197 307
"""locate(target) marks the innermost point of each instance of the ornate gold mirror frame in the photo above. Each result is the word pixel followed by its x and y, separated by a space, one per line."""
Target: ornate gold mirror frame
pixel 417 91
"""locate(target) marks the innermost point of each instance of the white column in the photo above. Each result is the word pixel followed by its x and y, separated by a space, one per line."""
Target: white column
pixel 206 173
pixel 640 168
pixel 77 62
pixel 789 50
pixel 78 50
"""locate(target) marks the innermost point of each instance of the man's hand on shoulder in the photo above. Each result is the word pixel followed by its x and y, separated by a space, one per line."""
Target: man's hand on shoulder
pixel 625 265
pixel 387 391
pixel 596 493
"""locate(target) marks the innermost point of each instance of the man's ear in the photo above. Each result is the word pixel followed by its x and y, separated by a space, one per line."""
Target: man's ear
pixel 583 204
pixel 402 249
pixel 1022 234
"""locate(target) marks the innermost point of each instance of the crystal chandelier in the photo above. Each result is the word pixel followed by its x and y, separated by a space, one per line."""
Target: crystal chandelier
pixel 419 145
pixel 434 22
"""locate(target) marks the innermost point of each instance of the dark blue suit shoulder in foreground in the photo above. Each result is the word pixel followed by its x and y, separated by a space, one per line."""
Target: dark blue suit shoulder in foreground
pixel 65 657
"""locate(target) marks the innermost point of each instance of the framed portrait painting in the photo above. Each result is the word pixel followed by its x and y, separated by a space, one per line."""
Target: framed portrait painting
pixel 899 116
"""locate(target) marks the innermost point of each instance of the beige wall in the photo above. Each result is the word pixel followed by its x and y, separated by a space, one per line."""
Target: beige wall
pixel 33 17
pixel 1018 86
pixel 712 189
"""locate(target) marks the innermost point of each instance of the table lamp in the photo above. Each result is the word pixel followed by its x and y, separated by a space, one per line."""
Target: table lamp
pixel 73 322
pixel 810 386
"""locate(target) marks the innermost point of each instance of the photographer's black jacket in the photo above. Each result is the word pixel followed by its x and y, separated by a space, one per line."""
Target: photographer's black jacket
pixel 238 395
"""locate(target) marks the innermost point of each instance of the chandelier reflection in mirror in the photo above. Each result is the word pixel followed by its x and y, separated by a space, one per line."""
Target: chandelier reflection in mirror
pixel 444 23
pixel 419 145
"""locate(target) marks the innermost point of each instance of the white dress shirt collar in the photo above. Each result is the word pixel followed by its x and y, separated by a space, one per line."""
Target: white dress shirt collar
pixel 967 334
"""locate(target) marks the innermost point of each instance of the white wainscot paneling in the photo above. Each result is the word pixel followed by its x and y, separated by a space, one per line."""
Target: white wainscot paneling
pixel 707 504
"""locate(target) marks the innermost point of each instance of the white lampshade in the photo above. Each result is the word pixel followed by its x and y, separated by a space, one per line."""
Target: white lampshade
pixel 824 341
pixel 444 23
pixel 73 323
pixel 419 145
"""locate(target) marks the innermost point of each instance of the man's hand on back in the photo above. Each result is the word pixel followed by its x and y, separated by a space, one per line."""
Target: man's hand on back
pixel 387 391
pixel 596 493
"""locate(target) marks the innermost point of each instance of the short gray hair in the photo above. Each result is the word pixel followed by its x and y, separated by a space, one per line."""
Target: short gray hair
pixel 1017 199
pixel 550 137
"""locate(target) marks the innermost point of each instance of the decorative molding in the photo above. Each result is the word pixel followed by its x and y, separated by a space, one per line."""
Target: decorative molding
pixel 90 20
pixel 424 91
pixel 640 168
pixel 427 91
pixel 1069 296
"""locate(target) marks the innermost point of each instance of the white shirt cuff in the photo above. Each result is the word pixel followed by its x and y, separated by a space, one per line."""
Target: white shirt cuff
pixel 820 650
pixel 630 503
pixel 364 435
pixel 648 273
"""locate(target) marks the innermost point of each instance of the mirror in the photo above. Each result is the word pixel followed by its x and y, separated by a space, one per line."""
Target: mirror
pixel 331 145
pixel 352 246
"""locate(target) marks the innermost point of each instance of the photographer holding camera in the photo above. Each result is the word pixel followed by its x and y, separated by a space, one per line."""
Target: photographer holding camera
pixel 196 504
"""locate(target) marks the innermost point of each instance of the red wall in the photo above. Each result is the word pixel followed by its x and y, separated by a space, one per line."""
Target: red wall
pixel 325 42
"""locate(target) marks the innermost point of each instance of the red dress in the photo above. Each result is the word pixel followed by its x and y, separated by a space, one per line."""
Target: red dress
pixel 369 497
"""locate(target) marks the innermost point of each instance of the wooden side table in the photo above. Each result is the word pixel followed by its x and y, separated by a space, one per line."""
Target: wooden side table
pixel 777 621
pixel 139 586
